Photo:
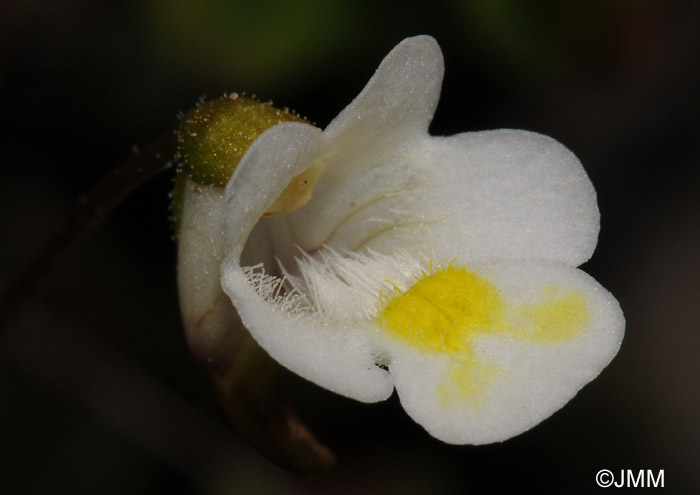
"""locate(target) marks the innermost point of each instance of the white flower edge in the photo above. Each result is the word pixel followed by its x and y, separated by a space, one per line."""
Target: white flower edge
pixel 508 171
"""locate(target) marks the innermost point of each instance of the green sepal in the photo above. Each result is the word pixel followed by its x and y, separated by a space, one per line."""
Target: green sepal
pixel 214 135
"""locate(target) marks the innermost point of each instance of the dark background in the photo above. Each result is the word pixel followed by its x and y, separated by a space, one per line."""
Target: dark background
pixel 98 393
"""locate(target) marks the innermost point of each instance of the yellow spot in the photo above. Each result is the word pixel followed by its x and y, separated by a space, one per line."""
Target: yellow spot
pixel 298 191
pixel 557 317
pixel 467 380
pixel 442 310
pixel 445 309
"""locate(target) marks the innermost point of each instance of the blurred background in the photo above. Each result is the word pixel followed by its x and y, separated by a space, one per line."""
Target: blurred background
pixel 98 393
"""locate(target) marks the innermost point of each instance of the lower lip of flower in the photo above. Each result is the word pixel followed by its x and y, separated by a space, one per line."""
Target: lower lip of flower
pixel 447 307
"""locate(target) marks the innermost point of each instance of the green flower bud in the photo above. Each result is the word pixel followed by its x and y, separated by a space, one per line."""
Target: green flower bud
pixel 214 136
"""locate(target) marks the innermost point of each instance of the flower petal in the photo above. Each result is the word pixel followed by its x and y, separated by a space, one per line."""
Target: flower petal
pixel 365 151
pixel 365 147
pixel 560 329
pixel 398 101
pixel 272 161
pixel 338 358
pixel 369 202
pixel 515 195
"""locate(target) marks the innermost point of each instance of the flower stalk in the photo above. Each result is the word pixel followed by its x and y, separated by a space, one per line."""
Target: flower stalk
pixel 90 211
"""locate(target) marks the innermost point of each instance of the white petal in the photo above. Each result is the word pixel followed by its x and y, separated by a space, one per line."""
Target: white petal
pixel 399 100
pixel 273 160
pixel 515 195
pixel 512 383
pixel 365 148
pixel 337 357
pixel 367 156
pixel 386 194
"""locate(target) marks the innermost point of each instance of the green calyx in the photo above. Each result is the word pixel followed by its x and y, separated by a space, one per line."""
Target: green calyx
pixel 214 136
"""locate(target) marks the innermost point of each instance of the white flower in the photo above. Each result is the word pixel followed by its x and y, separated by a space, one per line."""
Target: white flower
pixel 444 267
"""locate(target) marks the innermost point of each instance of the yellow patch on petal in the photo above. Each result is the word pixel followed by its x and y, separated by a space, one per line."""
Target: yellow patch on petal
pixel 442 310
pixel 446 308
pixel 557 317
pixel 467 380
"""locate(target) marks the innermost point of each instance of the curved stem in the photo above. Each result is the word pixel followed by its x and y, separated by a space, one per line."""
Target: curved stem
pixel 90 212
